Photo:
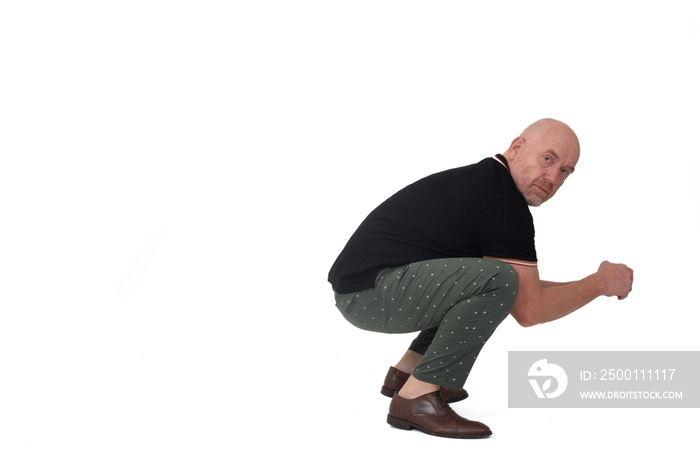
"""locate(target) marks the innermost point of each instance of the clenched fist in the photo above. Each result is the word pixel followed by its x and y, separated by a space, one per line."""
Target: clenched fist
pixel 617 279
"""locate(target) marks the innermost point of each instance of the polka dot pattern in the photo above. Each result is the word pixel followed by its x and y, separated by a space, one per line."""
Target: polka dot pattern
pixel 457 303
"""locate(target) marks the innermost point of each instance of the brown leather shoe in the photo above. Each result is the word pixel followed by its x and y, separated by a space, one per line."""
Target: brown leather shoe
pixel 430 414
pixel 395 379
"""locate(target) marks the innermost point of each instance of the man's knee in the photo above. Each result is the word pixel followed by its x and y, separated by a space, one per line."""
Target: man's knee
pixel 502 284
pixel 502 273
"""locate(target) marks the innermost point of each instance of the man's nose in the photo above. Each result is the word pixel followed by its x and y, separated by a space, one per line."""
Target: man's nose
pixel 550 175
pixel 551 182
pixel 554 175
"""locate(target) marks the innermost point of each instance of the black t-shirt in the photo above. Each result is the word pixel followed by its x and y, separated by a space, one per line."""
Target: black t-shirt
pixel 471 211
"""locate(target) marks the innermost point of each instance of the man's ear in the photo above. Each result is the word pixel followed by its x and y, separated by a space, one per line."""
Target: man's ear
pixel 516 145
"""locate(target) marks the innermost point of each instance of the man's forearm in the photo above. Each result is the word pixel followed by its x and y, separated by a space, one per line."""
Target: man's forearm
pixel 557 300
pixel 546 284
pixel 540 301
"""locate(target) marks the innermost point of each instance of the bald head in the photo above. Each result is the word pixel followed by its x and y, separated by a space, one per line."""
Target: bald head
pixel 541 159
pixel 549 129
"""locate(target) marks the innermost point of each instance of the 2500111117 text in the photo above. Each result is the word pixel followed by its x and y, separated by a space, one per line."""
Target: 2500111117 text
pixel 629 374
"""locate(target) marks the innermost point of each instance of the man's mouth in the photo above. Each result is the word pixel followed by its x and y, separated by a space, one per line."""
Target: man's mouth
pixel 542 190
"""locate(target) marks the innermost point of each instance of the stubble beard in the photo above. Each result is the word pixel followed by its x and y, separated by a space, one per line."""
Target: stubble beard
pixel 533 196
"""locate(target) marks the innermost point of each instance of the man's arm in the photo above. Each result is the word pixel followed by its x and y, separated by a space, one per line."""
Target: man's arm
pixel 546 284
pixel 539 302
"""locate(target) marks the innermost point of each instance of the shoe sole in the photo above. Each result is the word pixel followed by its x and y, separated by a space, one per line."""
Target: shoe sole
pixel 389 392
pixel 406 425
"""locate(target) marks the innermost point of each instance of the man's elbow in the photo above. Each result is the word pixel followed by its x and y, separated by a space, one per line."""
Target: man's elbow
pixel 525 318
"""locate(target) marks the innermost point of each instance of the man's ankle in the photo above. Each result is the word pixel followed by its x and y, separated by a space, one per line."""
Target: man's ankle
pixel 409 361
pixel 413 388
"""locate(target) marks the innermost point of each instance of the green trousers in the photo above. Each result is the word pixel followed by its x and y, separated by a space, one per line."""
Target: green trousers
pixel 456 305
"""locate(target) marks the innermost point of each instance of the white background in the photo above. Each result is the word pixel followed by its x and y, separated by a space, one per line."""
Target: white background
pixel 177 177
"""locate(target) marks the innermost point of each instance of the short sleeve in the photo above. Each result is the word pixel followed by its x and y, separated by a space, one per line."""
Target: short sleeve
pixel 505 230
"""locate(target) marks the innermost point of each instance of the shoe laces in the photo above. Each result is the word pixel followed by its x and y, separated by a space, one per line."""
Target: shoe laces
pixel 441 401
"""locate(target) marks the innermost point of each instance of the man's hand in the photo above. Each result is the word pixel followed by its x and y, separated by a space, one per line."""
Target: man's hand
pixel 617 279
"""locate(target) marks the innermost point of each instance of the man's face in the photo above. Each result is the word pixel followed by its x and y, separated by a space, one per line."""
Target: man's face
pixel 541 164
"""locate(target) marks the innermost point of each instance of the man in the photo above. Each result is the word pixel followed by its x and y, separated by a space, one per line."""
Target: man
pixel 451 256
